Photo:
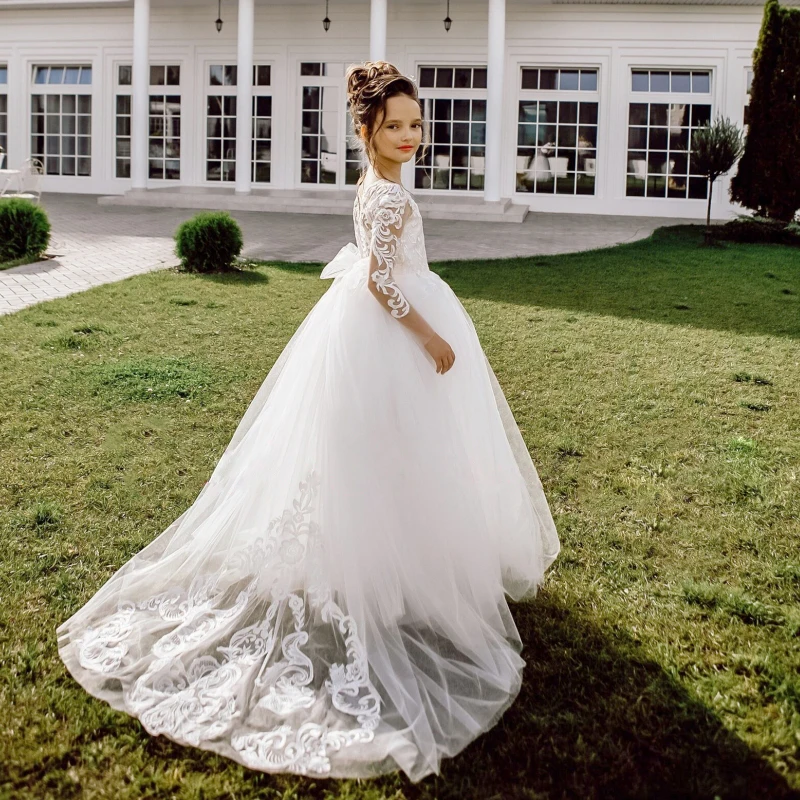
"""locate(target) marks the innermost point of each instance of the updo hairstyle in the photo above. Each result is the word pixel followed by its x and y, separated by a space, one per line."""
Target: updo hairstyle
pixel 369 86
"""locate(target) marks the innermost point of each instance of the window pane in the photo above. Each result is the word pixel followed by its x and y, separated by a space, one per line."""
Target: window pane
pixel 444 77
pixel 71 75
pixel 157 76
pixel 263 75
pixel 426 77
pixel 640 81
pixel 125 75
pixel 462 77
pixel 530 78
pixel 230 74
pixel 701 82
pixel 263 106
pixel 588 81
pixel 681 82
pixel 548 79
pixel 56 75
pixel 659 81
pixel 86 76
pixel 215 75
pixel 173 75
pixel 568 80
pixel 479 78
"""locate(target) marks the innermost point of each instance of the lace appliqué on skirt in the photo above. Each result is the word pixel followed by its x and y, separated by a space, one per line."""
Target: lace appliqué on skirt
pixel 203 674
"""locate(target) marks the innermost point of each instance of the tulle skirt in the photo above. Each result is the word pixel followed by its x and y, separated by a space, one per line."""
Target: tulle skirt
pixel 333 603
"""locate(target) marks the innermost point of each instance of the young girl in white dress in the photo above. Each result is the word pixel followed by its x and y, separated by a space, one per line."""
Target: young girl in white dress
pixel 333 603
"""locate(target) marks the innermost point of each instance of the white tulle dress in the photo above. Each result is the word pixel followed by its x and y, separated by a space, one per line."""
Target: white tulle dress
pixel 333 603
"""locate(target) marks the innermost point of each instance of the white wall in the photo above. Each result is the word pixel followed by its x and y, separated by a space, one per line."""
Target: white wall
pixel 611 38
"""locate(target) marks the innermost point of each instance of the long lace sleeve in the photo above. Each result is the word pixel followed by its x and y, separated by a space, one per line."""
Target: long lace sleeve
pixel 387 210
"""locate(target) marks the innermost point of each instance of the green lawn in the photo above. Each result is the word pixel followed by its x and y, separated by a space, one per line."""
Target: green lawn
pixel 658 387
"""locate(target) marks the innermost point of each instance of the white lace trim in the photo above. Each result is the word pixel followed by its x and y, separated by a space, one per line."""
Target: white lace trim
pixel 385 212
pixel 262 675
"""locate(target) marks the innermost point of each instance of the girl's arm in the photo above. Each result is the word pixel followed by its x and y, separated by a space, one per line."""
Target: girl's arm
pixel 387 211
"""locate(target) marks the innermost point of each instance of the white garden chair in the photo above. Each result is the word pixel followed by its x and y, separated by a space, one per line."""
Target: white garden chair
pixel 30 180
pixel 477 170
pixel 558 167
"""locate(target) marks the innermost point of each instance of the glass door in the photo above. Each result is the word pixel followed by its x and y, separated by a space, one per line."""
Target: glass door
pixel 327 157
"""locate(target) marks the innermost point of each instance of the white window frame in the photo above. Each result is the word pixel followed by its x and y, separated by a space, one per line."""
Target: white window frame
pixel 559 95
pixel 61 90
pixel 337 83
pixel 665 98
pixel 230 90
pixel 446 93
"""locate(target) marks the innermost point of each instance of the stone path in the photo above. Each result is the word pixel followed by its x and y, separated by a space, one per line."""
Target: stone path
pixel 99 244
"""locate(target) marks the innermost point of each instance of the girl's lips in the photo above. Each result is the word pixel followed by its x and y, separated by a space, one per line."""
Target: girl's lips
pixel 406 147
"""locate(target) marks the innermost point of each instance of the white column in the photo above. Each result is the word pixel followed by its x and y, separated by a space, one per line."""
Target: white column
pixel 377 30
pixel 140 101
pixel 244 96
pixel 494 98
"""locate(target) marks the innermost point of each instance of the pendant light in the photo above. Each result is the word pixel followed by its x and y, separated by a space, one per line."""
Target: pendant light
pixel 218 23
pixel 447 21
pixel 326 23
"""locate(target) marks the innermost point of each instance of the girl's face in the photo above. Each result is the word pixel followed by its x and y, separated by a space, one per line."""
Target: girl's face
pixel 400 131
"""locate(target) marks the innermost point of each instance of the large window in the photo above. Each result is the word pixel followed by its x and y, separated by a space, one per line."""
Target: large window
pixel 557 130
pixel 164 136
pixel 221 123
pixel 454 108
pixel 3 112
pixel 666 107
pixel 61 119
pixel 321 86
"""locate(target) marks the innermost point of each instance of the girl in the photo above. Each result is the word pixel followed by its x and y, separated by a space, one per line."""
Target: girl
pixel 333 603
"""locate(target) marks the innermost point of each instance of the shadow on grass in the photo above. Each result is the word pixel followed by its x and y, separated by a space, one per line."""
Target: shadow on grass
pixel 597 719
pixel 234 277
pixel 668 278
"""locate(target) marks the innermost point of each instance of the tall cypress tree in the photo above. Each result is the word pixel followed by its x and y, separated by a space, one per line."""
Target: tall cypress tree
pixel 768 178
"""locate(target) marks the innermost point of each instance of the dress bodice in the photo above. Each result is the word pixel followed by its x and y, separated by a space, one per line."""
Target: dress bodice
pixel 406 239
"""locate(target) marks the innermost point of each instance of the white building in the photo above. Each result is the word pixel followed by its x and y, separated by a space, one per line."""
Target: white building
pixel 558 105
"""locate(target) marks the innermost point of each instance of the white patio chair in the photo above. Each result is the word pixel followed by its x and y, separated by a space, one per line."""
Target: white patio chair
pixel 477 171
pixel 639 168
pixel 558 167
pixel 29 181
pixel 2 160
pixel 328 161
pixel 441 171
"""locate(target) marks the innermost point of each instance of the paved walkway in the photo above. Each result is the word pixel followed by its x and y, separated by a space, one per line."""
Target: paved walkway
pixel 95 244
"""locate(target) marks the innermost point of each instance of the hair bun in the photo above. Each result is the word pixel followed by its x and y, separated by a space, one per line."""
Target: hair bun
pixel 369 74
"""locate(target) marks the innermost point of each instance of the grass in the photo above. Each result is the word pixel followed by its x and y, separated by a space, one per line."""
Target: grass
pixel 658 387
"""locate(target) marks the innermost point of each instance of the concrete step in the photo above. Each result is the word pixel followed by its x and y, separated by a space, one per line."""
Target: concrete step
pixel 293 201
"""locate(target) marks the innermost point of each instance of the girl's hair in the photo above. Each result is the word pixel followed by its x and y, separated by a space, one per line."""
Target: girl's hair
pixel 369 86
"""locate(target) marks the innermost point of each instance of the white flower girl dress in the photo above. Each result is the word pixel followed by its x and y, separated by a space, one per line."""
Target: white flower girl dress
pixel 333 602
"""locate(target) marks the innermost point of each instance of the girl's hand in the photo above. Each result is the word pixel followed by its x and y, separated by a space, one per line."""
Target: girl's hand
pixel 441 353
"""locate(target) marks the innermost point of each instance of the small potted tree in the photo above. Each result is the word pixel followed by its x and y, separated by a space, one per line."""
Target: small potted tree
pixel 716 149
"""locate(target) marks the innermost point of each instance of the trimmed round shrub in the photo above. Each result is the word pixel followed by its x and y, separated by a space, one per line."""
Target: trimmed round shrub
pixel 208 242
pixel 24 229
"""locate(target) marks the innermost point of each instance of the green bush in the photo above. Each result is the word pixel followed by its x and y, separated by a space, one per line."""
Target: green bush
pixel 768 177
pixel 24 229
pixel 757 230
pixel 208 242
